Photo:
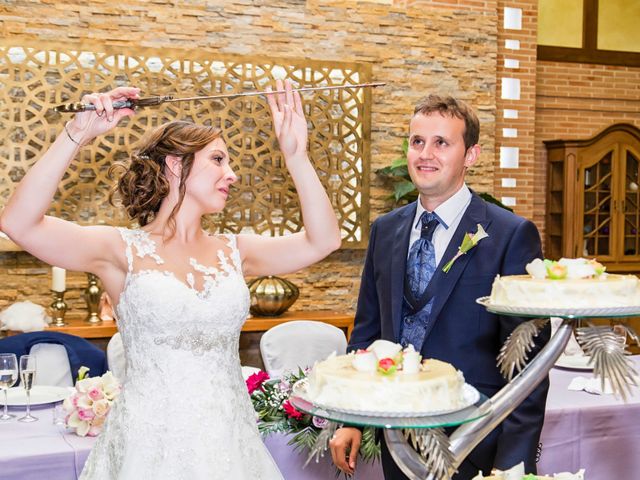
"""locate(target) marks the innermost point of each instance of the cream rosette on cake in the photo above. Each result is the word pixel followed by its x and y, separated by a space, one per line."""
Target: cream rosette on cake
pixel 385 378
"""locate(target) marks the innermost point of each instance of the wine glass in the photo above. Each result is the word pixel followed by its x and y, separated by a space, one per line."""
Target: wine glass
pixel 8 376
pixel 27 375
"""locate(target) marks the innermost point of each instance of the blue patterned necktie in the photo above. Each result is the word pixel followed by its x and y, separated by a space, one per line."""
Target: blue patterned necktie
pixel 421 263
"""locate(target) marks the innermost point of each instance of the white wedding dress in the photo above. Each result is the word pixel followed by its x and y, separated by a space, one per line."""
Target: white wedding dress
pixel 184 411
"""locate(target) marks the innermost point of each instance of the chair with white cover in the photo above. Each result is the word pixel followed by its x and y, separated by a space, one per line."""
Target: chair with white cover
pixel 299 344
pixel 52 365
pixel 58 355
pixel 115 358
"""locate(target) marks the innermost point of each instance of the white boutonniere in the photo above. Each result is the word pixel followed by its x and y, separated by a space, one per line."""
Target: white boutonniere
pixel 468 242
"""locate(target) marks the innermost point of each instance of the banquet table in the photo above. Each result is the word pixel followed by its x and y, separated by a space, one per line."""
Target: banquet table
pixel 33 451
pixel 597 432
pixel 600 433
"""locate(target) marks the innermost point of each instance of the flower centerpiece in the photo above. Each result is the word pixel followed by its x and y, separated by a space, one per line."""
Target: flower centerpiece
pixel 275 413
pixel 88 406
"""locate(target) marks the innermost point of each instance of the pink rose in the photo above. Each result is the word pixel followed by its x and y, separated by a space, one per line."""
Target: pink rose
pixel 319 422
pixel 255 381
pixel 85 414
pixel 95 393
pixel 291 411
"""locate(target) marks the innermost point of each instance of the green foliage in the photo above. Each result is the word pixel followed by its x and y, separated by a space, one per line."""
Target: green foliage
pixel 491 199
pixel 304 439
pixel 369 448
pixel 276 415
pixel 404 191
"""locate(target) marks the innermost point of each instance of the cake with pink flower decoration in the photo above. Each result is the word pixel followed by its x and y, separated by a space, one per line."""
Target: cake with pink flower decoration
pixel 386 378
pixel 567 283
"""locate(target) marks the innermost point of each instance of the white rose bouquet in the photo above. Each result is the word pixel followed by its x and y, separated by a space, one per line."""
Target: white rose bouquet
pixel 88 406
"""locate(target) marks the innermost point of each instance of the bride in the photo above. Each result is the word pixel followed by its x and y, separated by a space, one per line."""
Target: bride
pixel 180 295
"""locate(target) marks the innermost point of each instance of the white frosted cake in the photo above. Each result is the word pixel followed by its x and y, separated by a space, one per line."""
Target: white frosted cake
pixel 567 283
pixel 384 378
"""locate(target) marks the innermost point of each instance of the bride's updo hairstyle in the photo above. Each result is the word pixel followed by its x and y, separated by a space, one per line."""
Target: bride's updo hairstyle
pixel 142 183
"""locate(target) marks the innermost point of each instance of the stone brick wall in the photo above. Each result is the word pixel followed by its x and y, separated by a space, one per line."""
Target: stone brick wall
pixel 416 47
pixel 577 101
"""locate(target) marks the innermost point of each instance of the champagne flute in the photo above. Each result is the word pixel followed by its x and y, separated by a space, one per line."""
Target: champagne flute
pixel 8 376
pixel 27 375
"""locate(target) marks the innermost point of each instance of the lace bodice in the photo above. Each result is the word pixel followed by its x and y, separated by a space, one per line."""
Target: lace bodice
pixel 170 311
pixel 184 411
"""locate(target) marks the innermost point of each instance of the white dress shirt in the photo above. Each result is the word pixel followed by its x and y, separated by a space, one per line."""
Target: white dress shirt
pixel 450 213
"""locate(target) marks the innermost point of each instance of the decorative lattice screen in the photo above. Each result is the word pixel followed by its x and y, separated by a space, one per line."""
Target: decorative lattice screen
pixel 35 78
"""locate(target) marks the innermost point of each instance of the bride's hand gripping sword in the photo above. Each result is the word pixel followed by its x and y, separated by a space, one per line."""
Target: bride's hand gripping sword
pixel 160 99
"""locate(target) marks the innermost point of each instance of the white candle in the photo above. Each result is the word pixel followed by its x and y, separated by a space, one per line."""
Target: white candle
pixel 58 279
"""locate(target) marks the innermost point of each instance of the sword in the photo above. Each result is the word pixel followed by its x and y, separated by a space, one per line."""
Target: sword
pixel 160 99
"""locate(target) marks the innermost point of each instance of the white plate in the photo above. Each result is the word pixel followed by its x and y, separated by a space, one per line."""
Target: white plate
pixel 559 312
pixel 574 362
pixel 40 395
pixel 469 393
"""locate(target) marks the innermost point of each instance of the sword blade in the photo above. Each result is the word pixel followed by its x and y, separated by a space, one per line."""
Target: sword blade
pixel 266 92
pixel 155 101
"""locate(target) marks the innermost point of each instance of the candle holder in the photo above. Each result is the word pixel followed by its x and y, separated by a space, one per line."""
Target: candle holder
pixel 58 308
pixel 92 296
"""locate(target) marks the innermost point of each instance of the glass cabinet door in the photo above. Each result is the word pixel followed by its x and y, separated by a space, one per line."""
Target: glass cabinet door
pixel 597 185
pixel 631 237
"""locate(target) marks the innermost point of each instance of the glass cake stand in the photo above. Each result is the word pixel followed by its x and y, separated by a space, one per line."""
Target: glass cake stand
pixel 392 421
pixel 466 437
pixel 565 313
pixel 476 422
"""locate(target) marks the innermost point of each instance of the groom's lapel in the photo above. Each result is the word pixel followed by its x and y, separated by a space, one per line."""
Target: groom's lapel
pixel 399 251
pixel 475 214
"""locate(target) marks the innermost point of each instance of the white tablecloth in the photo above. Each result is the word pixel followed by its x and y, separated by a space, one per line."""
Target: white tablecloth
pixel 42 450
pixel 600 433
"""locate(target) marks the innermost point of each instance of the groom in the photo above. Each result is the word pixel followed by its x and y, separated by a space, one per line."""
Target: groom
pixel 406 297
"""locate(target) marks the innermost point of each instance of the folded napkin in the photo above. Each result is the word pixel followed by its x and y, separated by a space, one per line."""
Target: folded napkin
pixel 590 385
pixel 24 317
pixel 569 476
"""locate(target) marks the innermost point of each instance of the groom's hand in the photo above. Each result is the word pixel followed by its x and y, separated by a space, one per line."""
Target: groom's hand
pixel 346 439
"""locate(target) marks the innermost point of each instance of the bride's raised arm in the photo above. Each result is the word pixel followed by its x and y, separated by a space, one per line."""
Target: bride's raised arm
pixel 321 234
pixel 53 240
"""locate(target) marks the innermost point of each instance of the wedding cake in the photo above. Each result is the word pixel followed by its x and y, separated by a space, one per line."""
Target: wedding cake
pixel 385 378
pixel 567 283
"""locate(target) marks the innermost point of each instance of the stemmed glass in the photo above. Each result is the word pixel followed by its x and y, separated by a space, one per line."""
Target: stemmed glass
pixel 8 376
pixel 27 375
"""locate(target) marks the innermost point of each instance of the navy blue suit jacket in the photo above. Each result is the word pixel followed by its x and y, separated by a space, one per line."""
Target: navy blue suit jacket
pixel 460 331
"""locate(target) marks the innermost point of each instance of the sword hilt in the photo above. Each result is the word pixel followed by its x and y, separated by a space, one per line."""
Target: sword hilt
pixel 130 103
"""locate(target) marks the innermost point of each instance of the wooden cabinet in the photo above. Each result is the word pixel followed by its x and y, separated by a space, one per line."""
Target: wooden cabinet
pixel 593 198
